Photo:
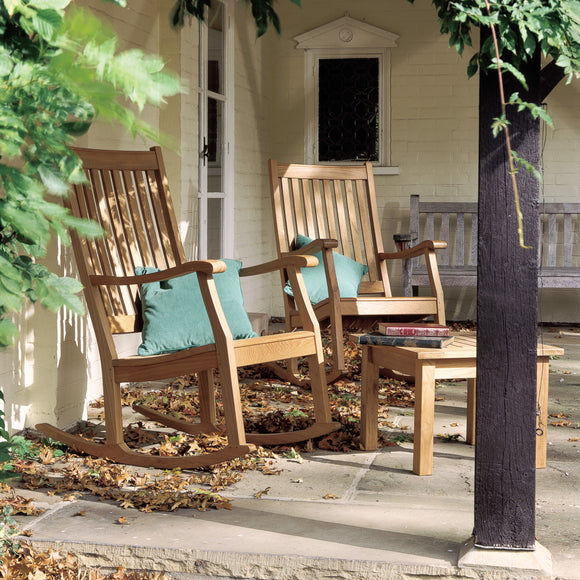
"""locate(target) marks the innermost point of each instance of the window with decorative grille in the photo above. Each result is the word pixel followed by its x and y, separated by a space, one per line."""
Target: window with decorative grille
pixel 348 109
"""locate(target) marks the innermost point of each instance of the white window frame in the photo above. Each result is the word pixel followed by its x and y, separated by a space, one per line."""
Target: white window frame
pixel 347 38
pixel 227 146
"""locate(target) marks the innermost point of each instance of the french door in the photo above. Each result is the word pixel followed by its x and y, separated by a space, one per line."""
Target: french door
pixel 216 198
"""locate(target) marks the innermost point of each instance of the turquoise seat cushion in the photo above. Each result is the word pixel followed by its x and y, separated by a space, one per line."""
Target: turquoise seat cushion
pixel 349 275
pixel 174 315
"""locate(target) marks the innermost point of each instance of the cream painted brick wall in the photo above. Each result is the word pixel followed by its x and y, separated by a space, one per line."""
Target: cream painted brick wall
pixel 253 215
pixel 434 118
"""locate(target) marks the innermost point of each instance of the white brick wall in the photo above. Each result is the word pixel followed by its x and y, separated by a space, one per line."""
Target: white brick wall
pixel 434 143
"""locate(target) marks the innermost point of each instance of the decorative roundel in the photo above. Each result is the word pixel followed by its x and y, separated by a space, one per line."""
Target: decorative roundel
pixel 345 35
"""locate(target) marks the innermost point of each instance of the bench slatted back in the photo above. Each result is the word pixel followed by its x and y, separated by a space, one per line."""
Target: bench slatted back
pixel 560 231
pixel 456 223
pixel 447 221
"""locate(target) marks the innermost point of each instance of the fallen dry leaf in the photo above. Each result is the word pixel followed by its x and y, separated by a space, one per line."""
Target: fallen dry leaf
pixel 259 494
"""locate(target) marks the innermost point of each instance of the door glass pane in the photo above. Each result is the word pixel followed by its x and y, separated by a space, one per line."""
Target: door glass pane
pixel 214 144
pixel 214 228
pixel 348 109
pixel 215 53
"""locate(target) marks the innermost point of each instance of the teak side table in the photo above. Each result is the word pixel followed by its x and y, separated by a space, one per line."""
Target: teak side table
pixel 456 361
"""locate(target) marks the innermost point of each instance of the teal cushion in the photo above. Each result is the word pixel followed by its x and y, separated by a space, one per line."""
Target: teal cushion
pixel 349 275
pixel 174 315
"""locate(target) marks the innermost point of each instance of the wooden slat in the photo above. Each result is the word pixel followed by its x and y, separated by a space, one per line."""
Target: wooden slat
pixel 288 214
pixel 552 240
pixel 309 212
pixel 568 240
pixel 329 206
pixel 297 206
pixel 141 252
pixel 106 252
pixel 444 235
pixel 149 222
pixel 161 228
pixel 340 202
pixel 474 224
pixel 354 223
pixel 366 233
pixel 319 208
pixel 460 239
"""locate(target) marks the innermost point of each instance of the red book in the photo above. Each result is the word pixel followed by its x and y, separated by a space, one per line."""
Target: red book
pixel 407 329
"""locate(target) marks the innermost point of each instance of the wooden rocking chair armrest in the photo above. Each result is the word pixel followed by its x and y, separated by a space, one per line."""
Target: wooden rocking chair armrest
pixel 202 266
pixel 316 246
pixel 286 261
pixel 420 249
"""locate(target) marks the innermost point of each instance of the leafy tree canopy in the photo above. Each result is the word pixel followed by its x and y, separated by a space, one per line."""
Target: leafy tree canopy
pixel 522 27
pixel 262 11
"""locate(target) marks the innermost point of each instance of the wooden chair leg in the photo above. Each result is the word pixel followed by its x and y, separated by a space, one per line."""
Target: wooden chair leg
pixel 206 390
pixel 207 410
pixel 232 402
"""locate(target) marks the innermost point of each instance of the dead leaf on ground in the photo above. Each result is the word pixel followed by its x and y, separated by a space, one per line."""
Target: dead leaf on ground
pixel 259 494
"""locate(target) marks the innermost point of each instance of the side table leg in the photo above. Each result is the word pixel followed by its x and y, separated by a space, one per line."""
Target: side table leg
pixel 369 414
pixel 424 419
pixel 542 378
pixel 470 435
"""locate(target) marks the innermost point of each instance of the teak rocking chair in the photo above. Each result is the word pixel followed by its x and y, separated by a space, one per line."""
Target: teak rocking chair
pixel 127 193
pixel 333 209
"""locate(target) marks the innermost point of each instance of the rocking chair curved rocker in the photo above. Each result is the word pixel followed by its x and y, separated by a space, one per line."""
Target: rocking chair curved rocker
pixel 127 193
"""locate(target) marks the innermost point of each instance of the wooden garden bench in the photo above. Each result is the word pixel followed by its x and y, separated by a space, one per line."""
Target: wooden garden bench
pixel 456 223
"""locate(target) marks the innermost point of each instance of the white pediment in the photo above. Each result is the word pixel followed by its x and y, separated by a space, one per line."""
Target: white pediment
pixel 346 32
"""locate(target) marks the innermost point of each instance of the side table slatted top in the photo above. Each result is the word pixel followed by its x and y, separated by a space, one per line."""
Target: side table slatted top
pixel 456 361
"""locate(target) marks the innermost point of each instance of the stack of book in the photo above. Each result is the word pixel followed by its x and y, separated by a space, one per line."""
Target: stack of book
pixel 425 335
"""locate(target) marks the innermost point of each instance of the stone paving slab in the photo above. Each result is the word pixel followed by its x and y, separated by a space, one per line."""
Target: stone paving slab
pixel 382 521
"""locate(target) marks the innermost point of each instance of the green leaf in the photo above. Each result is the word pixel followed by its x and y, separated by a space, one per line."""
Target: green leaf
pixel 49 4
pixel 499 124
pixel 53 182
pixel 512 70
pixel 8 332
pixel 84 227
pixel 525 164
pixel 47 23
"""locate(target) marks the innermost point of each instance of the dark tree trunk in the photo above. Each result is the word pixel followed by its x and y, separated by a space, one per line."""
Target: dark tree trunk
pixel 506 324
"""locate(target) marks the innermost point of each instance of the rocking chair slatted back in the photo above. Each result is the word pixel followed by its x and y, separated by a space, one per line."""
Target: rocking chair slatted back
pixel 340 204
pixel 136 213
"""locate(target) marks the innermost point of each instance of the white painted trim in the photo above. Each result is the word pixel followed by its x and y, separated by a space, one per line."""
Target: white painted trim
pixel 227 142
pixel 347 38
pixel 229 131
pixel 346 32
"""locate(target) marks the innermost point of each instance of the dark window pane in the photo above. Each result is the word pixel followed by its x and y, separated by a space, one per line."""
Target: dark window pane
pixel 348 109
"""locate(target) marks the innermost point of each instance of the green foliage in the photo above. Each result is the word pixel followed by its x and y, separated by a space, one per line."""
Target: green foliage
pixel 60 69
pixel 262 11
pixel 553 26
pixel 8 532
